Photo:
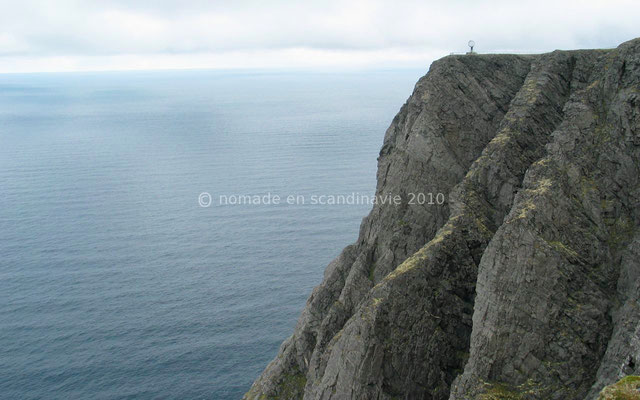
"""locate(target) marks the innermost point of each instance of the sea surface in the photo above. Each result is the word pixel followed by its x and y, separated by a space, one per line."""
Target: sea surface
pixel 115 282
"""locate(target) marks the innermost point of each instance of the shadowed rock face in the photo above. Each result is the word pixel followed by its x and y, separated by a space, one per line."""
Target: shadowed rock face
pixel 526 281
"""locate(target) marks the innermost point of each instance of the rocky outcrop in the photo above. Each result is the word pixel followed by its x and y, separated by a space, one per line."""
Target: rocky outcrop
pixel 526 280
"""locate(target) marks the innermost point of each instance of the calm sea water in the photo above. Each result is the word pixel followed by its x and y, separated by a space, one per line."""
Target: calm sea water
pixel 114 282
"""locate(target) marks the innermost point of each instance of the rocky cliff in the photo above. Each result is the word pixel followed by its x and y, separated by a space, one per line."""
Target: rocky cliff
pixel 525 283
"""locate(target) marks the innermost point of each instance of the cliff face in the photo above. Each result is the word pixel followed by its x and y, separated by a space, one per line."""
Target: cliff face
pixel 526 282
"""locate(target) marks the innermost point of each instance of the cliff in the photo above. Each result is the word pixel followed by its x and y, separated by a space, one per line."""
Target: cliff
pixel 525 283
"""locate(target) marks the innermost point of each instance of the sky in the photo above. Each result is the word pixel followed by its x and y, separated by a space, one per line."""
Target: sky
pixel 90 35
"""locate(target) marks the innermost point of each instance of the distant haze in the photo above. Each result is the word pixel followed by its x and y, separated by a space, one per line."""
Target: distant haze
pixel 71 35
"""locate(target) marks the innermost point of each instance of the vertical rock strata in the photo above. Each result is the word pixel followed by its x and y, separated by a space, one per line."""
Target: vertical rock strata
pixel 556 310
pixel 526 282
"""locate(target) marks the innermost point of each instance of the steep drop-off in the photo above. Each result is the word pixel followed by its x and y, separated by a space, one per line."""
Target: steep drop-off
pixel 526 282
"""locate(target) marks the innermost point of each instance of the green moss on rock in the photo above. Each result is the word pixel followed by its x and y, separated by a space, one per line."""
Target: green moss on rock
pixel 500 392
pixel 627 388
pixel 292 386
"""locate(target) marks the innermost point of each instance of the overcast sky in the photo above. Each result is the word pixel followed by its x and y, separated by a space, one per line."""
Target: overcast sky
pixel 69 35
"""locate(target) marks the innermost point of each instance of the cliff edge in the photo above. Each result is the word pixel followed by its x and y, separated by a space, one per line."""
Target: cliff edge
pixel 525 282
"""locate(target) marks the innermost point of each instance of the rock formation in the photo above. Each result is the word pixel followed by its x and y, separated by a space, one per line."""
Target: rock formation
pixel 525 283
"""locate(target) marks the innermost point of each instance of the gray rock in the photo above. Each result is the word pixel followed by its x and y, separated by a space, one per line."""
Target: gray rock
pixel 547 283
pixel 526 279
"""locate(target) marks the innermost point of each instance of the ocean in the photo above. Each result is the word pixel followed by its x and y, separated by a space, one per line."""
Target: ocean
pixel 140 256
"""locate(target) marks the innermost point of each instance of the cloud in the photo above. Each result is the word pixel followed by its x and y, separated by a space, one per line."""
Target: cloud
pixel 166 33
